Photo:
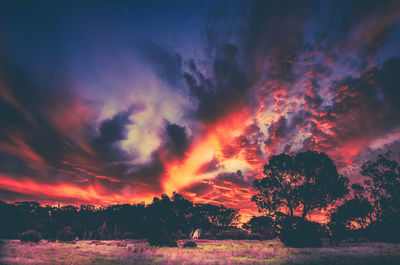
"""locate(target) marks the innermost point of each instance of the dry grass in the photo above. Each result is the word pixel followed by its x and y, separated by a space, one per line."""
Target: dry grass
pixel 208 252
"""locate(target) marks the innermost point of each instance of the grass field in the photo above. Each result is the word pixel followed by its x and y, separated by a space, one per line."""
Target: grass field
pixel 207 252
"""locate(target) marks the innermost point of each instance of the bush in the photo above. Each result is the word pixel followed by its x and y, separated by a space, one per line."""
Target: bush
pixel 297 232
pixel 233 234
pixel 180 235
pixel 255 236
pixel 162 238
pixel 129 235
pixel 190 244
pixel 30 236
pixel 388 231
pixel 66 234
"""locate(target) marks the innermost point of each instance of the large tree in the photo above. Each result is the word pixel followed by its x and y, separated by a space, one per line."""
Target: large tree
pixel 297 185
pixel 383 184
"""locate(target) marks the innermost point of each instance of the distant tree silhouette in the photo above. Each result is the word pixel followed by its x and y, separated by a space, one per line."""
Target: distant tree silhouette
pixel 172 218
pixel 298 184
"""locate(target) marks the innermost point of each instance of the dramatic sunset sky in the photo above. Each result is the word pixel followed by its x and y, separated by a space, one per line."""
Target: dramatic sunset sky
pixel 107 102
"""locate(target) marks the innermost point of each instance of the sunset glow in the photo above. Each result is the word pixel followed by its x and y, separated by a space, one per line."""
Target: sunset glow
pixel 126 102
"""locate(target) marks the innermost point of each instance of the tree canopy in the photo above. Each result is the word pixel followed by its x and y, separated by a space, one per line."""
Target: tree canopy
pixel 298 184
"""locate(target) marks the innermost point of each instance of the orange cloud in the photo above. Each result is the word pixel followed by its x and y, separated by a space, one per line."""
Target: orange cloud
pixel 182 173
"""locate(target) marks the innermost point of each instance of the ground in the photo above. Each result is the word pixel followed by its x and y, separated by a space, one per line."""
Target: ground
pixel 207 252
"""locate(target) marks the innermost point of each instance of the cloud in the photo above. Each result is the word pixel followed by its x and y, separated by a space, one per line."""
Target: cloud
pixel 166 63
pixel 222 92
pixel 178 141
pixel 111 132
pixel 209 167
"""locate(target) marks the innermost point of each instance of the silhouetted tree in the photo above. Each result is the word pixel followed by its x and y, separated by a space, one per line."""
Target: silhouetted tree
pixel 298 184
pixel 262 225
pixel 298 232
pixel 165 219
pixel 352 218
pixel 383 184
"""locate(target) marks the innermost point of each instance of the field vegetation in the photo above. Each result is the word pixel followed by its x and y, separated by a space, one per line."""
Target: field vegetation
pixel 206 252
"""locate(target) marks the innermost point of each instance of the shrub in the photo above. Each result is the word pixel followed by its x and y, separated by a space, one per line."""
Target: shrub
pixel 388 231
pixel 162 238
pixel 297 232
pixel 66 234
pixel 233 234
pixel 180 235
pixel 129 235
pixel 262 225
pixel 190 244
pixel 30 236
pixel 255 236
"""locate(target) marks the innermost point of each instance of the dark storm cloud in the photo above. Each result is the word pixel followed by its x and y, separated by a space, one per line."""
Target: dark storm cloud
pixel 272 38
pixel 275 33
pixel 177 140
pixel 112 131
pixel 224 91
pixel 268 42
pixel 356 28
pixel 368 104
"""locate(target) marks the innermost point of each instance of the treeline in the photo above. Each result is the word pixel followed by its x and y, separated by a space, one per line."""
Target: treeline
pixel 161 222
pixel 295 187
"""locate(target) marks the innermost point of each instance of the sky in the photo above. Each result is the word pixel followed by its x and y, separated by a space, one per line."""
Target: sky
pixel 105 102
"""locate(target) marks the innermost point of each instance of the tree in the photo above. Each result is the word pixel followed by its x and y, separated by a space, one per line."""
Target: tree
pixel 162 222
pixel 262 225
pixel 298 184
pixel 352 218
pixel 214 215
pixel 383 184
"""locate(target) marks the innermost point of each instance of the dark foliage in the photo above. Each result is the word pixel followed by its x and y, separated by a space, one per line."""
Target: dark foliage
pixel 255 236
pixel 66 234
pixel 129 235
pixel 385 231
pixel 157 221
pixel 162 238
pixel 351 219
pixel 373 211
pixel 298 184
pixel 190 244
pixel 293 187
pixel 30 236
pixel 383 187
pixel 261 225
pixel 237 234
pixel 297 232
